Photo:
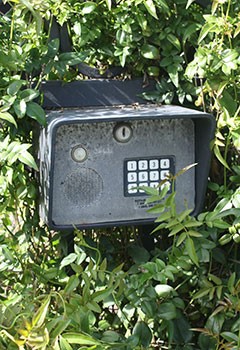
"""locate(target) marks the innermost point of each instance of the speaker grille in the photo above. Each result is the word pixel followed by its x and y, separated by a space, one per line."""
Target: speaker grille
pixel 83 187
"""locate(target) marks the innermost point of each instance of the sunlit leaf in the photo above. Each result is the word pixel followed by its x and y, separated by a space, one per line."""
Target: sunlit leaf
pixel 27 158
pixel 8 117
pixel 149 51
pixel 109 4
pixel 40 315
pixel 79 338
pixel 15 86
pixel 149 4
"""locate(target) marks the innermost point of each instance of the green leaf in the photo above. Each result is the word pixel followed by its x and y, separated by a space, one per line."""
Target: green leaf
pixel 149 4
pixel 231 282
pixel 206 29
pixel 143 333
pixel 229 336
pixel 40 315
pixel 53 47
pixel 190 30
pixel 79 338
pixel 183 215
pixel 64 344
pixel 181 238
pixel 68 260
pixel 138 254
pixel 191 250
pixel 7 61
pixel 71 58
pixel 109 4
pixel 164 217
pixel 174 41
pixel 178 228
pixel 173 74
pixel 93 306
pixel 193 233
pixel 149 51
pixel 8 117
pixel 167 311
pixel 35 111
pixel 150 190
pixel 72 284
pixel 14 87
pixel 29 95
pixel 20 108
pixel 36 15
pixel 220 157
pixel 61 324
pixel 102 294
pixel 201 293
pixel 230 55
pixel 225 239
pixel 110 337
pixel 26 158
pixel 89 6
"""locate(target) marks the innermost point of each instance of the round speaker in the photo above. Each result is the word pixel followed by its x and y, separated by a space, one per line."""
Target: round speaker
pixel 83 186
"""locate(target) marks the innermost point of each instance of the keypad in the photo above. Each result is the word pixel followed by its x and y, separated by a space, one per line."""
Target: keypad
pixel 149 171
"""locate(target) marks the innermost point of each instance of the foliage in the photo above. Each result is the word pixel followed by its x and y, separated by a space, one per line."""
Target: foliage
pixel 155 38
pixel 108 291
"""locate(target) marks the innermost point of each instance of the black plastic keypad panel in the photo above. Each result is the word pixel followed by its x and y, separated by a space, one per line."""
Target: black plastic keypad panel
pixel 146 171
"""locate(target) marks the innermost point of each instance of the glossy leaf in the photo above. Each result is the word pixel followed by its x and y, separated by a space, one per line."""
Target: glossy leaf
pixel 190 248
pixel 15 86
pixel 26 158
pixel 8 117
pixel 150 51
pixel 143 333
pixel 35 111
pixel 40 315
pixel 149 4
pixel 80 339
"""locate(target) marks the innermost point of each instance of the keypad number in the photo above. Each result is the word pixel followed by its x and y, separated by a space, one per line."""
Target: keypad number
pixel 147 172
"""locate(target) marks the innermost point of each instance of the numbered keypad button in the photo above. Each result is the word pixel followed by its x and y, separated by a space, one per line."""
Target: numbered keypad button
pixel 142 164
pixel 132 177
pixel 154 175
pixel 153 164
pixel 132 165
pixel 143 176
pixel 132 188
pixel 165 163
pixel 164 174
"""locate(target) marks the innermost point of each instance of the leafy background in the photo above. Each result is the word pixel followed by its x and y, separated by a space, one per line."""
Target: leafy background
pixel 106 290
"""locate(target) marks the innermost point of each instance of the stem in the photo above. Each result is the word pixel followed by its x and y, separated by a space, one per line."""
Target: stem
pixel 11 30
pixel 225 158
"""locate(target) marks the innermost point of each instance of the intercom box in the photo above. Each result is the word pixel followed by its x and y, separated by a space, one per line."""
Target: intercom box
pixel 94 160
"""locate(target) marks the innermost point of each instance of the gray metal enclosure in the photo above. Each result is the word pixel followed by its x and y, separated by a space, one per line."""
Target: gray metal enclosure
pixel 93 160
